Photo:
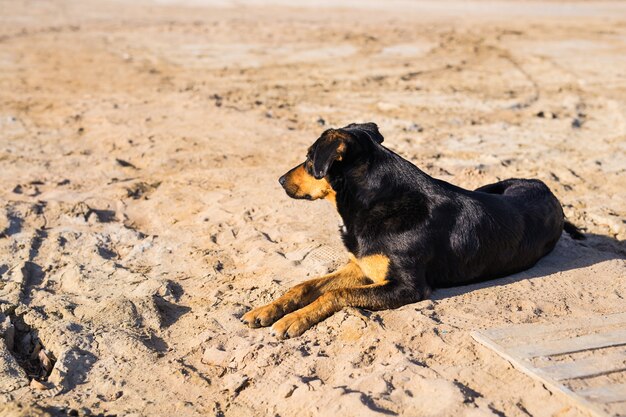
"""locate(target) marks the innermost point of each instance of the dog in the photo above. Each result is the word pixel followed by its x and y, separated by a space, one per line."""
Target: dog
pixel 407 233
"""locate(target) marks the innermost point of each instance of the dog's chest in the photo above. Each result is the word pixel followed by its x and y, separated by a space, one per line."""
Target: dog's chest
pixel 375 267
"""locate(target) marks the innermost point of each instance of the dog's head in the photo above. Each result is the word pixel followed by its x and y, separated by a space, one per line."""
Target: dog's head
pixel 335 149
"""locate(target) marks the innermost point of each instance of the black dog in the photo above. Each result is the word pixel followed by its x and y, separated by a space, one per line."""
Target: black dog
pixel 407 232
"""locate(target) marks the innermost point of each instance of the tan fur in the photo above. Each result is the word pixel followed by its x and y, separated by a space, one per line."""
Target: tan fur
pixel 341 150
pixel 300 184
pixel 360 277
pixel 302 294
pixel 332 197
pixel 326 305
pixel 375 267
pixel 314 300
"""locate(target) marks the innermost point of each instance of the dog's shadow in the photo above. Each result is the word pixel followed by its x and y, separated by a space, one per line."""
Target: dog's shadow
pixel 568 254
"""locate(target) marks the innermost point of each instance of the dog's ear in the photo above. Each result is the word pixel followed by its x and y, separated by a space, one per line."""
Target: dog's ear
pixel 365 130
pixel 333 145
pixel 330 147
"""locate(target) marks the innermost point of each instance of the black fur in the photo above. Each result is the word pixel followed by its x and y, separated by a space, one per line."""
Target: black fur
pixel 435 234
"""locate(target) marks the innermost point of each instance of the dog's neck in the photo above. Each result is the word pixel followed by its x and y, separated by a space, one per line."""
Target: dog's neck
pixel 380 176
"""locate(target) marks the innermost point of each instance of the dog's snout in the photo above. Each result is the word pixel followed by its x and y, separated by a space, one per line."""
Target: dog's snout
pixel 282 180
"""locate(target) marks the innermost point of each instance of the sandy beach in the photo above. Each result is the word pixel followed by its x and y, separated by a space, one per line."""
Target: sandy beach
pixel 140 147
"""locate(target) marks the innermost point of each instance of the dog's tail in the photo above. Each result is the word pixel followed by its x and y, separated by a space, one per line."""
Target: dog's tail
pixel 573 231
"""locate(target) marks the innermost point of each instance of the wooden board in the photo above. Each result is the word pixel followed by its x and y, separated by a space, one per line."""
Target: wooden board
pixel 571 345
pixel 582 368
pixel 610 394
pixel 567 356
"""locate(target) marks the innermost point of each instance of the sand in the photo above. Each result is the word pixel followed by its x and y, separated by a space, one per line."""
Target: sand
pixel 140 147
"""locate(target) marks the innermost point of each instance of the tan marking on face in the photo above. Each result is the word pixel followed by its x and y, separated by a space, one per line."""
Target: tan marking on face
pixel 332 197
pixel 375 267
pixel 341 150
pixel 299 184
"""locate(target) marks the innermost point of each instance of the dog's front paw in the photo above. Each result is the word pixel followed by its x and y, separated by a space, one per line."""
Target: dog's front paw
pixel 263 316
pixel 292 325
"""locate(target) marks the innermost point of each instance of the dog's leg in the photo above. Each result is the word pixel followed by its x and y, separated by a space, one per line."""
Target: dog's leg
pixel 305 293
pixel 379 296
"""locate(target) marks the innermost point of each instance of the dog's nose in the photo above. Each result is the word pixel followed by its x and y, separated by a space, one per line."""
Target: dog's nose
pixel 282 180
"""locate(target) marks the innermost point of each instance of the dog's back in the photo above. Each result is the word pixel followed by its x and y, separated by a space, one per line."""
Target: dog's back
pixel 513 224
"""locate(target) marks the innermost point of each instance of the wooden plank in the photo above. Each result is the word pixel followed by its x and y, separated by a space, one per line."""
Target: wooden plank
pixel 607 394
pixel 575 344
pixel 526 367
pixel 534 331
pixel 593 366
pixel 518 344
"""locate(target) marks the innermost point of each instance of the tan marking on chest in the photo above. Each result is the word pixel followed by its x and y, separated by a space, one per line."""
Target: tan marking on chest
pixel 375 267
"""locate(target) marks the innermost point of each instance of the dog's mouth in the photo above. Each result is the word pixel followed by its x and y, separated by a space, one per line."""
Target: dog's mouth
pixel 294 193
